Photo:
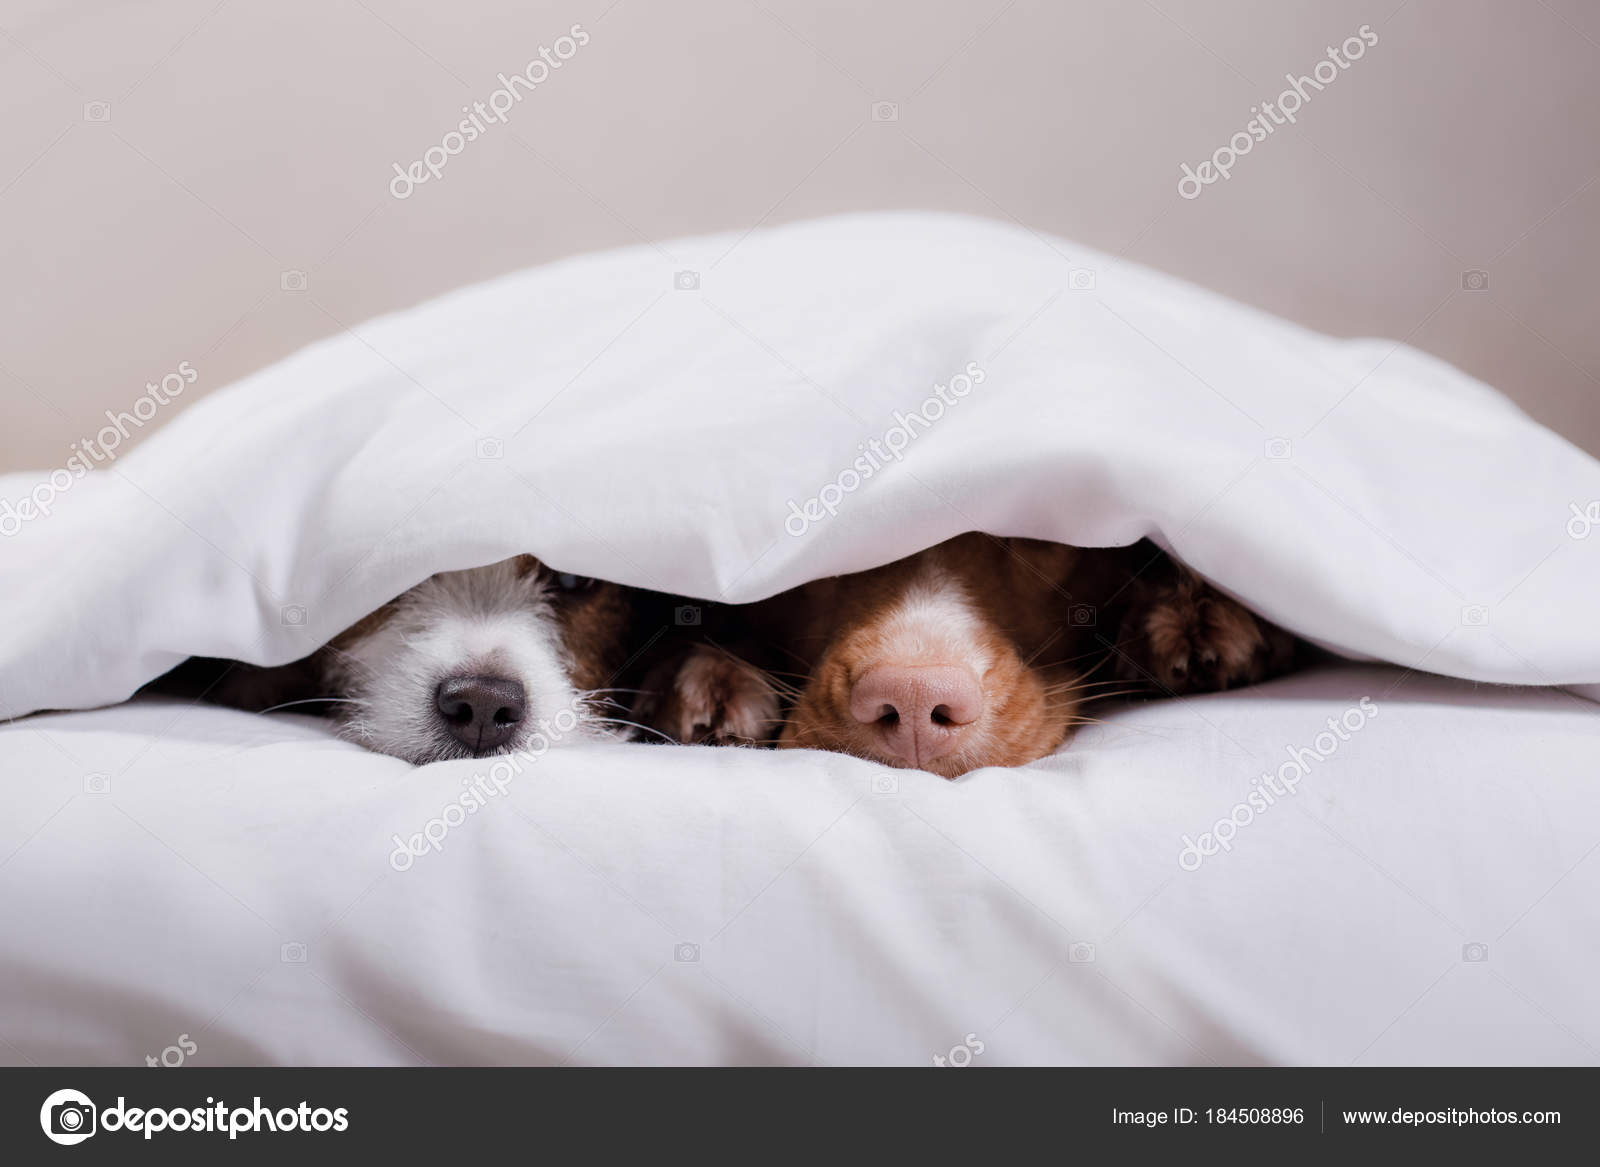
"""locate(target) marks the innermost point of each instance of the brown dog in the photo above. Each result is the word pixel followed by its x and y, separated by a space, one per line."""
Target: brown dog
pixel 981 651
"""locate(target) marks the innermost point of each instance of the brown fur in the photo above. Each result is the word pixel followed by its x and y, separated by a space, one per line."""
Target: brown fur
pixel 1047 621
pixel 595 632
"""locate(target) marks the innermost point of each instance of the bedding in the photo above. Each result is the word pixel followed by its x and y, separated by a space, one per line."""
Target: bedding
pixel 719 439
pixel 232 880
pixel 1276 874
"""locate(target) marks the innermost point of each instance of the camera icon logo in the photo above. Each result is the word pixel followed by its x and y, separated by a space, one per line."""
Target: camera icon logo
pixel 686 616
pixel 885 784
pixel 1081 615
pixel 1475 616
pixel 68 1117
pixel 1081 279
pixel 97 783
pixel 292 616
pixel 489 449
pixel 686 281
pixel 1475 280
pixel 292 281
pixel 686 953
pixel 1474 952
pixel 294 952
pixel 1081 953
pixel 1278 449
pixel 885 111
pixel 97 111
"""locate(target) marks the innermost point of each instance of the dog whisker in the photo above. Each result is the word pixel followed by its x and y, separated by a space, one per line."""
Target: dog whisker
pixel 313 701
pixel 635 725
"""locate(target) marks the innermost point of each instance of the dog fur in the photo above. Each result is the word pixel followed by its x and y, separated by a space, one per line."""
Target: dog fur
pixel 560 638
pixel 1040 627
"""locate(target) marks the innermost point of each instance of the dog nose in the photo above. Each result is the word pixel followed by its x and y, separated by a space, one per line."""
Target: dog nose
pixel 481 712
pixel 919 712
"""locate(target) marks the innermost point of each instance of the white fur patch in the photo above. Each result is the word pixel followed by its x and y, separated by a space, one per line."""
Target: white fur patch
pixel 488 621
pixel 936 622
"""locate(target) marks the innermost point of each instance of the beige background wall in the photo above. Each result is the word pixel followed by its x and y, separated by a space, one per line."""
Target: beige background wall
pixel 249 138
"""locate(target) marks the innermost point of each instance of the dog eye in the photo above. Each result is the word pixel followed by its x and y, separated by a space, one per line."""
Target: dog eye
pixel 573 583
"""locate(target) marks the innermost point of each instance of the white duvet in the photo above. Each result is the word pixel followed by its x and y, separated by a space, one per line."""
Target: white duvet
pixel 728 422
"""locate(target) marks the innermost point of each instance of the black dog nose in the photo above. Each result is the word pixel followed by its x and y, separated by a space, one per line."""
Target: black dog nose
pixel 482 712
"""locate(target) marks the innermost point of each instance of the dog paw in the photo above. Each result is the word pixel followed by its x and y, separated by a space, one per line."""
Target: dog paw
pixel 715 698
pixel 1190 638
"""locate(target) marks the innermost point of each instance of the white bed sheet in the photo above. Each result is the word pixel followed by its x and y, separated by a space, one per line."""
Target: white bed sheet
pixel 156 859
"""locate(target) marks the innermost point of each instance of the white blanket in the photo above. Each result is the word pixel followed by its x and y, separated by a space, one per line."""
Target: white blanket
pixel 171 873
pixel 618 424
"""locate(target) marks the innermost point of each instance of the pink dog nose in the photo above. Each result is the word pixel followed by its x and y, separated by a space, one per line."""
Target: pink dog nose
pixel 920 712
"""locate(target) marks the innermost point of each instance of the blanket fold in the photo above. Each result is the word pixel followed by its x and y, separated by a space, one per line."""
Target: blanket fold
pixel 817 398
